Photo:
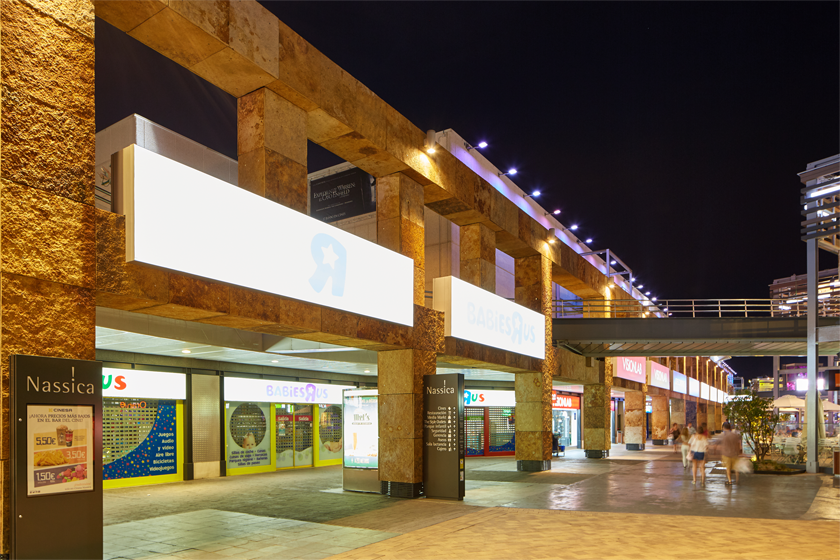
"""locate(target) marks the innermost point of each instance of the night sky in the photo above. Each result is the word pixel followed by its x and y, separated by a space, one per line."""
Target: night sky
pixel 671 132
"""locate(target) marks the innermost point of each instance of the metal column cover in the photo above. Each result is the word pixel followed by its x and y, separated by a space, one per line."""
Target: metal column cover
pixel 206 423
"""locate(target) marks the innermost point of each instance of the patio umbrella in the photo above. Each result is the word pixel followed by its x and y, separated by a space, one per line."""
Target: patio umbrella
pixel 820 417
pixel 828 405
pixel 789 401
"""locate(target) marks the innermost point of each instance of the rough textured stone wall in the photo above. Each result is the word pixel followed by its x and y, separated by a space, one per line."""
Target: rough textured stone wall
pixel 635 423
pixel 678 412
pixel 596 411
pixel 478 256
pixel 47 175
pixel 533 389
pixel 659 418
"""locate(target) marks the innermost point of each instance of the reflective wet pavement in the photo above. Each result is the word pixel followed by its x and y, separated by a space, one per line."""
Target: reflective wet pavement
pixel 583 503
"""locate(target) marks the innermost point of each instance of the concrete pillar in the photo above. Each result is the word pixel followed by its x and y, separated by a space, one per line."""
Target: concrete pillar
pixel 271 144
pixel 678 412
pixel 478 256
pixel 660 419
pixel 533 389
pixel 401 418
pixel 691 411
pixel 48 230
pixel 400 224
pixel 635 422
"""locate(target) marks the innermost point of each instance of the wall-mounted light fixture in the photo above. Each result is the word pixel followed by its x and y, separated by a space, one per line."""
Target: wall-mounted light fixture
pixel 429 143
pixel 511 172
pixel 552 235
pixel 469 146
pixel 534 194
pixel 574 227
pixel 589 240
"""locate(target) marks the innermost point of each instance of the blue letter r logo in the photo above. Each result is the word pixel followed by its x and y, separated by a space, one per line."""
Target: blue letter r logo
pixel 331 258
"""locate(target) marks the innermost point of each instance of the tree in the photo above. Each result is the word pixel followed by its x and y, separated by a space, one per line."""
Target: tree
pixel 754 417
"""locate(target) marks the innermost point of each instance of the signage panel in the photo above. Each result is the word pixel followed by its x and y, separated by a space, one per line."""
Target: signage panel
pixel 248 434
pixel 55 458
pixel 478 397
pixel 267 390
pixel 444 436
pixel 680 383
pixel 713 394
pixel 140 384
pixel 182 219
pixel 157 454
pixel 704 391
pixel 361 429
pixel 474 314
pixel 693 387
pixel 660 376
pixel 343 195
pixel 633 369
pixel 567 402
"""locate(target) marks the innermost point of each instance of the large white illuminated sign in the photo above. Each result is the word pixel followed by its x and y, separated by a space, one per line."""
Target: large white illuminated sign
pixel 184 220
pixel 267 390
pixel 713 394
pixel 704 391
pixel 660 376
pixel 680 383
pixel 802 384
pixel 479 397
pixel 480 316
pixel 140 384
pixel 693 387
pixel 633 369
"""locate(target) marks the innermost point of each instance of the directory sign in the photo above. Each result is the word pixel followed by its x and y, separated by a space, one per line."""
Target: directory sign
pixel 660 376
pixel 472 313
pixel 633 369
pixel 680 383
pixel 55 448
pixel 693 387
pixel 444 436
pixel 181 219
pixel 343 195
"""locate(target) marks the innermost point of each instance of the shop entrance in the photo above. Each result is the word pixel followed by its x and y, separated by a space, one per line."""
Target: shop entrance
pixel 296 427
pixel 490 430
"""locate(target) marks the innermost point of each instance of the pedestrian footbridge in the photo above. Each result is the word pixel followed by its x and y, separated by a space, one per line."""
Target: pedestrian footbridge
pixel 692 334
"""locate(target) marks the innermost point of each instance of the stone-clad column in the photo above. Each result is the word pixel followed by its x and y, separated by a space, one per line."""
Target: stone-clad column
pixel 691 411
pixel 400 224
pixel 47 178
pixel 702 416
pixel 400 375
pixel 533 389
pixel 596 420
pixel 678 412
pixel 271 144
pixel 478 256
pixel 400 227
pixel 711 418
pixel 659 419
pixel 635 423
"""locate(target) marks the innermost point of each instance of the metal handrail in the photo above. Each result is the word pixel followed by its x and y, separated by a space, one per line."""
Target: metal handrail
pixel 829 306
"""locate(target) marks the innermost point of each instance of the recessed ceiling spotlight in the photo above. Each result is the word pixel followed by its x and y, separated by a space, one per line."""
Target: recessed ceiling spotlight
pixel 274 361
pixel 480 146
pixel 185 351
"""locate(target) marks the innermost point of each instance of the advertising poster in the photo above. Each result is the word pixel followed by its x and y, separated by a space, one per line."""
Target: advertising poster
pixel 59 449
pixel 157 453
pixel 330 434
pixel 361 430
pixel 248 438
pixel 344 195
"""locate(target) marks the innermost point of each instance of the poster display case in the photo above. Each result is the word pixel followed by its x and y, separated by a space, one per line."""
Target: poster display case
pixel 361 437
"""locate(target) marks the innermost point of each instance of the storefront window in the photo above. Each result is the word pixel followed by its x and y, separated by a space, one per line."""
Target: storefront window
pixel 138 438
pixel 330 432
pixel 502 429
pixel 474 418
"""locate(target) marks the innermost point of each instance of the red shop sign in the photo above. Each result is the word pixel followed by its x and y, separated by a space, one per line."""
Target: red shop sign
pixel 565 401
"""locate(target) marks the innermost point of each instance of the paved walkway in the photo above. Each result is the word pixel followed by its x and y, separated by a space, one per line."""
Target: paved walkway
pixel 629 506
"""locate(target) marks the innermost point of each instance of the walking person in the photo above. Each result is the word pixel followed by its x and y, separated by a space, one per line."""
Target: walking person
pixel 698 444
pixel 730 450
pixel 691 430
pixel 675 435
pixel 684 447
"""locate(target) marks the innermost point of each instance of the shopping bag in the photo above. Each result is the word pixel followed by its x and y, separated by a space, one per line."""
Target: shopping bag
pixel 743 465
